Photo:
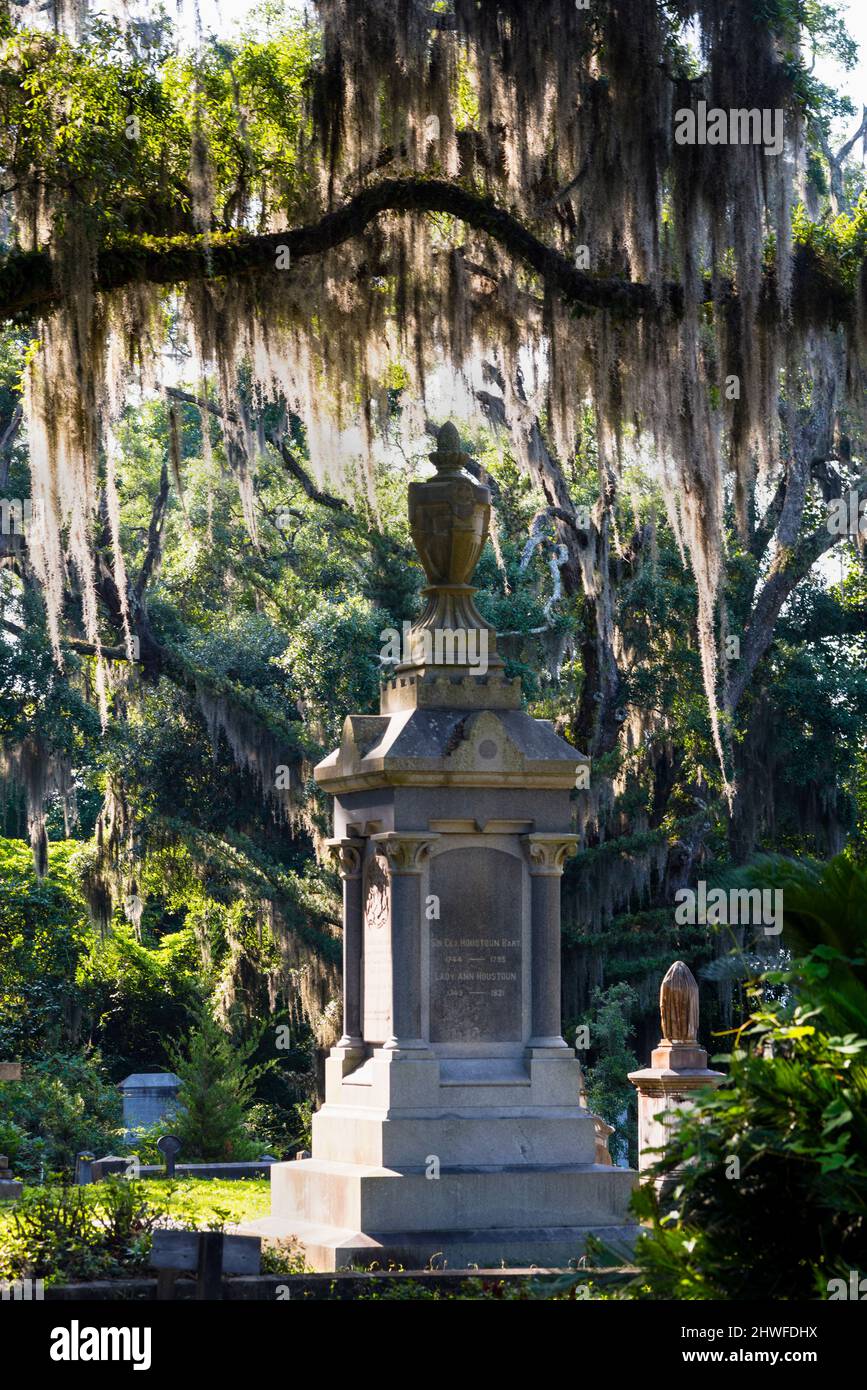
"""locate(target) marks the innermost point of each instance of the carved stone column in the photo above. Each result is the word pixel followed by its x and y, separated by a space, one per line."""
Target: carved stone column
pixel 348 854
pixel 405 853
pixel 547 854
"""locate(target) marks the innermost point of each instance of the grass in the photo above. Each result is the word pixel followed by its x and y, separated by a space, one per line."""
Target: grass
pixel 104 1230
pixel 201 1201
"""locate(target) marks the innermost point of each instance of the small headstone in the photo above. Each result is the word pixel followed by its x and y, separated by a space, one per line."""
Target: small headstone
pixel 303 1153
pixel 169 1146
pixel 148 1098
pixel 211 1254
pixel 10 1071
pixel 83 1169
pixel 112 1163
pixel 9 1187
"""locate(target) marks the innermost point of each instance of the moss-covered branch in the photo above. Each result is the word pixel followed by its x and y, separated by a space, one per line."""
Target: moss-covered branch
pixel 28 285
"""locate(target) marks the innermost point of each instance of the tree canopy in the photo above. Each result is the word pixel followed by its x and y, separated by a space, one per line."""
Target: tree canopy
pixel 242 283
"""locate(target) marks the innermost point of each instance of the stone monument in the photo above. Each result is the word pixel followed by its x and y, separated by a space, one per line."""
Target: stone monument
pixel 148 1097
pixel 452 1125
pixel 678 1068
pixel 10 1188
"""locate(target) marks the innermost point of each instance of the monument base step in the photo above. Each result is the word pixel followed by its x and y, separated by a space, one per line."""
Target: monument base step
pixel 356 1197
pixel 345 1214
pixel 10 1189
pixel 327 1249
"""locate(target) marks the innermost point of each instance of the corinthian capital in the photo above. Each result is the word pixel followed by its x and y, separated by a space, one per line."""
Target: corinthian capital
pixel 347 854
pixel 405 850
pixel 549 851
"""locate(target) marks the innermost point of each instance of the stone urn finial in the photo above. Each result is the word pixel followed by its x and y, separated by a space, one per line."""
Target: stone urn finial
pixel 448 520
pixel 678 1005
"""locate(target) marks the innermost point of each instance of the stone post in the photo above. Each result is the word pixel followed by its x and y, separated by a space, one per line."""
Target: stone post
pixel 678 1068
pixel 348 853
pixel 405 853
pixel 547 853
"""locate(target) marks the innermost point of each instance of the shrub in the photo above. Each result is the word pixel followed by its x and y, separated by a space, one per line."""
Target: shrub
pixel 64 1105
pixel 81 1233
pixel 791 1214
pixel 216 1094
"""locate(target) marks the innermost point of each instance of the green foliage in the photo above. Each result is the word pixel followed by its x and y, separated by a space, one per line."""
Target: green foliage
pixel 333 658
pixel 771 1201
pixel 837 245
pixel 609 1093
pixel 216 1093
pixel 138 996
pixel 63 1106
pixel 68 1234
pixel 117 120
pixel 43 935
pixel 279 1130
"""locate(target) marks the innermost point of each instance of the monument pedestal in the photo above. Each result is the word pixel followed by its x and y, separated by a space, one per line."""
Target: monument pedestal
pixel 467 1161
pixel 452 1126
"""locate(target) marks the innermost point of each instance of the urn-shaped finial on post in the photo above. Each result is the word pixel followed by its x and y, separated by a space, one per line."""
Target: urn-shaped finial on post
pixel 678 1005
pixel 449 515
pixel 678 1068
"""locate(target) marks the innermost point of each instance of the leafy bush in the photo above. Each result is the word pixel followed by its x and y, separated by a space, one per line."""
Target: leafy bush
pixel 280 1132
pixel 791 1213
pixel 64 1105
pixel 44 932
pixel 137 995
pixel 609 1093
pixel 216 1094
pixel 67 1234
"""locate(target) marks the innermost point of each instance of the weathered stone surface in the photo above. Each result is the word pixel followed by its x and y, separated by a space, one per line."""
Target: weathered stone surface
pixel 149 1097
pixel 678 1004
pixel 678 1069
pixel 452 1125
pixel 376 958
pixel 351 1214
pixel 467 747
pixel 329 1249
pixel 476 955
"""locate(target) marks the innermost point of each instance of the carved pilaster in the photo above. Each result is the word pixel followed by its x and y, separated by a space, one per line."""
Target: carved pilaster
pixel 547 854
pixel 405 852
pixel 348 854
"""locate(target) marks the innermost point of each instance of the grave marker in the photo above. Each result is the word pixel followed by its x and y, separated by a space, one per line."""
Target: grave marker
pixel 452 1122
pixel 169 1146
